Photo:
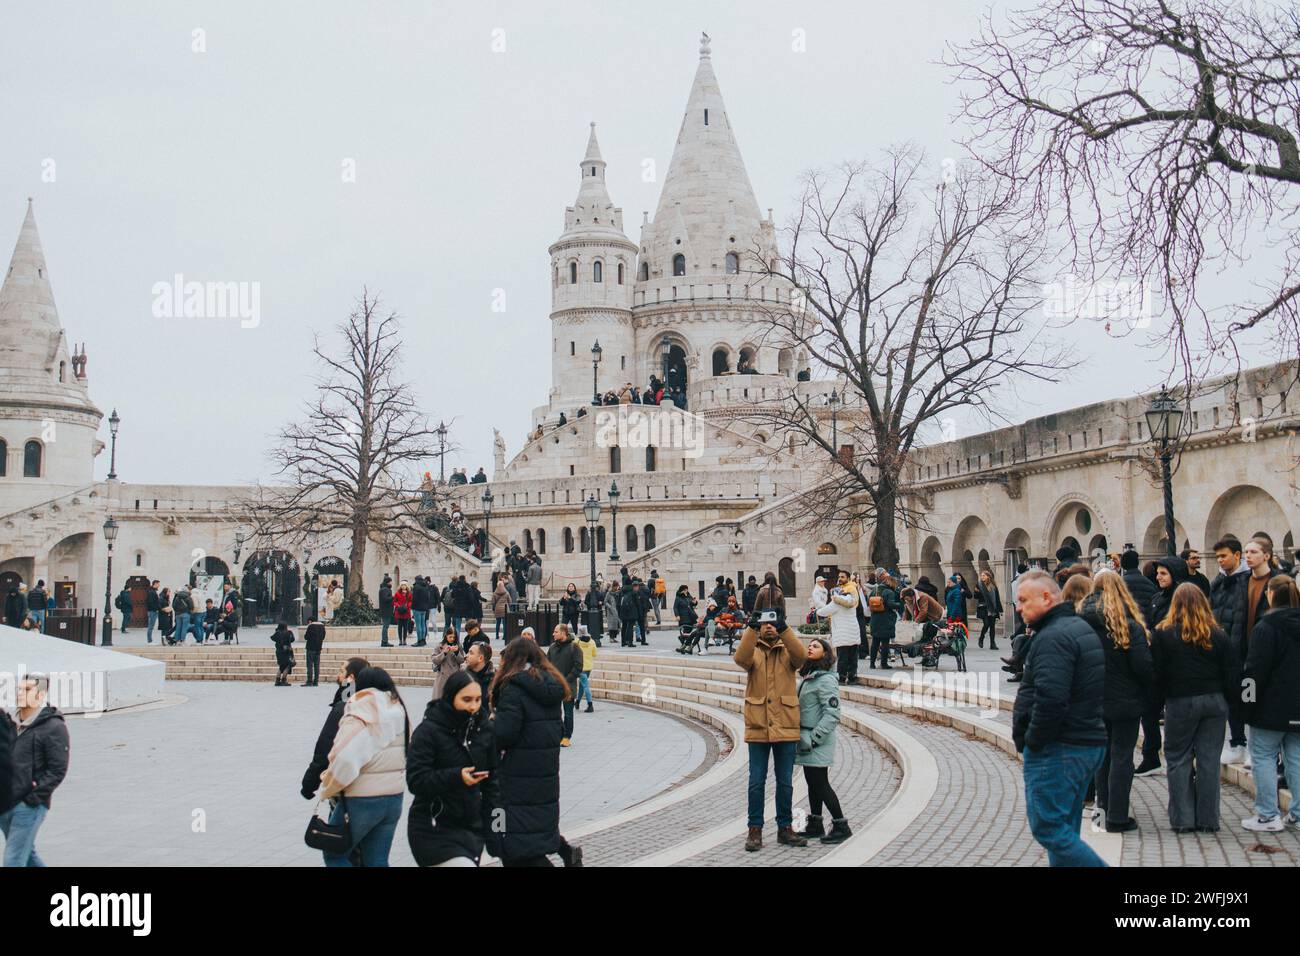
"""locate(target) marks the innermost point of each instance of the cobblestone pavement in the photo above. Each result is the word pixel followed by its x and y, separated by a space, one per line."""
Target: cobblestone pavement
pixel 214 781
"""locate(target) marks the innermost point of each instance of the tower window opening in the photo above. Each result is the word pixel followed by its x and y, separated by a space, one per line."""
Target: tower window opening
pixel 679 265
pixel 706 117
pixel 645 271
pixel 573 273
pixel 620 273
pixel 733 263
pixel 597 271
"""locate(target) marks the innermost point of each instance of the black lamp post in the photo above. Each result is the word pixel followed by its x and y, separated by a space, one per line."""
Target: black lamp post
pixel 1164 418
pixel 591 511
pixel 113 423
pixel 613 502
pixel 487 523
pixel 239 542
pixel 441 431
pixel 110 535
pixel 595 382
pixel 834 402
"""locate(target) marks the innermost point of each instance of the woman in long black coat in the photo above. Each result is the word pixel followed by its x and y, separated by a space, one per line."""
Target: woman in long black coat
pixel 450 769
pixel 526 696
pixel 571 608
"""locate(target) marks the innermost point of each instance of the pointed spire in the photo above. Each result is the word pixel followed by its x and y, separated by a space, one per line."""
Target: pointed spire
pixel 593 210
pixel 31 337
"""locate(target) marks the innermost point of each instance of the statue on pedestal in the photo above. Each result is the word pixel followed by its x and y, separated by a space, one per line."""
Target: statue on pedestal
pixel 498 453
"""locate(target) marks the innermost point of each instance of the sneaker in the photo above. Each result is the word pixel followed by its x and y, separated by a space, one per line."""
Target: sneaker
pixel 1272 824
pixel 1232 754
pixel 565 742
pixel 1291 821
pixel 1146 768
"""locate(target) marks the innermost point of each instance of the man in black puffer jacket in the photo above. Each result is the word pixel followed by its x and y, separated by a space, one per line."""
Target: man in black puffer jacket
pixel 1138 584
pixel 1057 722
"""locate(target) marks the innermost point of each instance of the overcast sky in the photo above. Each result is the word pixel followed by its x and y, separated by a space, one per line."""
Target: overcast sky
pixel 229 165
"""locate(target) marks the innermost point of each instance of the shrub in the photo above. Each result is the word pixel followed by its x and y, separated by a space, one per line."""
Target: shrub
pixel 823 626
pixel 355 611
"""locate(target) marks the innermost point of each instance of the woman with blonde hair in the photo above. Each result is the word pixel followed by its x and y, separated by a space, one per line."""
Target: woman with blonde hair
pixel 1196 673
pixel 1075 589
pixel 1115 617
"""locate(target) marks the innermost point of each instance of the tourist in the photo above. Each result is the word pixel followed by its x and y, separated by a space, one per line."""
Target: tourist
pixel 385 609
pixel 817 600
pixel 1196 670
pixel 629 612
pixel 421 603
pixel 231 605
pixel 571 607
pixel 333 599
pixel 1271 680
pixel 684 607
pixel 771 653
pixel 282 637
pixel 610 608
pixel 123 604
pixel 501 603
pixel 37 600
pixel 749 596
pixel 367 768
pixel 15 607
pixel 346 679
pixel 210 615
pixel 526 696
pixel 449 772
pixel 183 608
pixel 313 639
pixel 1057 722
pixel 1117 621
pixel 8 734
pixel 841 609
pixel 534 578
pixel 478 664
pixel 954 599
pixel 589 650
pixel 1138 584
pixel 1192 558
pixel 819 716
pixel 884 605
pixel 988 608
pixel 152 605
pixel 402 614
pixel 447 659
pixel 770 596
pixel 39 762
pixel 166 616
pixel 567 659
pixel 1250 604
pixel 925 586
pixel 658 589
pixel 643 610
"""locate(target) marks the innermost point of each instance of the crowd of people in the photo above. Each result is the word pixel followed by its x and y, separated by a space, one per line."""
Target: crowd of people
pixel 184 613
pixel 26 607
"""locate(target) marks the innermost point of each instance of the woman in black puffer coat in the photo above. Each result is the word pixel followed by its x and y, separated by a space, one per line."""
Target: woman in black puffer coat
pixel 450 769
pixel 526 696
pixel 1115 616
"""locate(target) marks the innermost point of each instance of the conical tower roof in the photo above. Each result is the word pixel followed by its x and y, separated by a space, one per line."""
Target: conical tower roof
pixel 707 207
pixel 593 213
pixel 34 357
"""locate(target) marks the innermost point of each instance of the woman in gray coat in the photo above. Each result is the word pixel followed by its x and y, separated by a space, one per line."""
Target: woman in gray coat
pixel 447 658
pixel 819 716
pixel 611 613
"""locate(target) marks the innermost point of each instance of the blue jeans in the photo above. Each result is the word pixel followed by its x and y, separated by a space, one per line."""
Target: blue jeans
pixel 383 634
pixel 1056 782
pixel 196 626
pixel 39 618
pixel 568 718
pixel 421 625
pixel 153 622
pixel 500 623
pixel 19 826
pixel 182 627
pixel 584 688
pixel 1264 748
pixel 783 757
pixel 372 822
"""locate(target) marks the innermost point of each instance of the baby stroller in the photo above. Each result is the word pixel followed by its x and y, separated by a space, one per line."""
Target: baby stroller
pixel 727 630
pixel 692 636
pixel 951 639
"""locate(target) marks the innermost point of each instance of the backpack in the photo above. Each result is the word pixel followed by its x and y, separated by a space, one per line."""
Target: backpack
pixel 876 603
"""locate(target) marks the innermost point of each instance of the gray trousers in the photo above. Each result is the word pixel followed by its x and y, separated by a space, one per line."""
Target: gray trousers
pixel 1194 731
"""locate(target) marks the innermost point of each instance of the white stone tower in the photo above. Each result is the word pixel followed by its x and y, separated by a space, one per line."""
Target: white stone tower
pixel 592 265
pixel 47 420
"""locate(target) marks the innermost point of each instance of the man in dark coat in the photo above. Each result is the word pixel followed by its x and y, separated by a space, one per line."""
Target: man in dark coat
pixel 628 610
pixel 38 600
pixel 125 606
pixel 528 730
pixel 1137 583
pixel 884 622
pixel 1192 558
pixel 152 605
pixel 565 654
pixel 421 603
pixel 749 595
pixel 320 758
pixel 1057 723
pixel 40 762
pixel 385 609
pixel 642 594
pixel 15 608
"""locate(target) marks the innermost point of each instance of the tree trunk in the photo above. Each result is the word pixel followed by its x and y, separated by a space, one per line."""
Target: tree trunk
pixel 358 558
pixel 884 549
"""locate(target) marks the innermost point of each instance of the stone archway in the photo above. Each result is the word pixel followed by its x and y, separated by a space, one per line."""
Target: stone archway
pixel 930 561
pixel 1242 511
pixel 1153 540
pixel 1075 516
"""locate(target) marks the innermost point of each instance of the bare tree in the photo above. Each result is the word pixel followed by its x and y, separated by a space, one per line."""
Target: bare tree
pixel 917 297
pixel 352 464
pixel 1162 136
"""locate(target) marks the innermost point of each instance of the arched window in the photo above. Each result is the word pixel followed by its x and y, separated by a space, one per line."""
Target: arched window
pixel 733 263
pixel 32 459
pixel 573 273
pixel 600 538
pixel 645 271
pixel 631 537
pixel 649 537
pixel 597 271
pixel 649 457
pixel 4 458
pixel 568 540
pixel 679 265
pixel 63 368
pixel 585 540
pixel 528 539
pixel 721 361
pixel 615 459
pixel 541 540
pixel 620 273
pixel 785 577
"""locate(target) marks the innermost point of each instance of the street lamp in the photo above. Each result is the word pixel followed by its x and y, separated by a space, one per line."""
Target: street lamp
pixel 113 423
pixel 613 502
pixel 487 522
pixel 441 432
pixel 834 402
pixel 591 511
pixel 595 382
pixel 110 535
pixel 1164 418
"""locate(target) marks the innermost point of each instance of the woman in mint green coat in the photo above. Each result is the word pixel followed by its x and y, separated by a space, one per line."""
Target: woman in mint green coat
pixel 819 716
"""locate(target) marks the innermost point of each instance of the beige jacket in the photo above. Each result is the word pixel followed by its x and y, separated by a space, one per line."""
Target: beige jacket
pixel 771 692
pixel 368 758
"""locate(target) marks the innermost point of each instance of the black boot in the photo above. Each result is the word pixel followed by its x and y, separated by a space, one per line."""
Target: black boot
pixel 814 828
pixel 839 831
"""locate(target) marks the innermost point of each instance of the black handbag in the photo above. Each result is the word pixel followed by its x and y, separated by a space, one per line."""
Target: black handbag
pixel 335 838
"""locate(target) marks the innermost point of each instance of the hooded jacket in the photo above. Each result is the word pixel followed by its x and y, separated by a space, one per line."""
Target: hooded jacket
pixel 1143 591
pixel 819 715
pixel 40 758
pixel 1272 672
pixel 449 819
pixel 528 730
pixel 1177 568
